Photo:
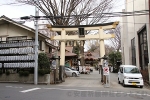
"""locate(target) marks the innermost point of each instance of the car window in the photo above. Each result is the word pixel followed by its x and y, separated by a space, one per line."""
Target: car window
pixel 131 70
pixel 66 69
pixel 73 69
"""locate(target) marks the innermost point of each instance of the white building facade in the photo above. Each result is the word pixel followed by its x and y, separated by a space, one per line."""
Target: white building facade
pixel 135 35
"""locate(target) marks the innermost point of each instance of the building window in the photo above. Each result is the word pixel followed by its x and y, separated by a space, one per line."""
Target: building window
pixel 40 45
pixel 133 51
pixel 143 48
pixel 16 38
pixel 50 49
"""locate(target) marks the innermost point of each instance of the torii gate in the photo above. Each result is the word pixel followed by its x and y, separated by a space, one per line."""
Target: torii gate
pixel 101 36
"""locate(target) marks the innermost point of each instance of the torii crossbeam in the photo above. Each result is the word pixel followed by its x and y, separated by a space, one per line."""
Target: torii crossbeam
pixel 101 36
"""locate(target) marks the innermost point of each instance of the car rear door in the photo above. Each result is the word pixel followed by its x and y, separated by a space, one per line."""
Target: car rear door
pixel 68 72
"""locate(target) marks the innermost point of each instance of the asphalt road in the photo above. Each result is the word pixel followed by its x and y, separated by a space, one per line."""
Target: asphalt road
pixel 46 92
pixel 85 87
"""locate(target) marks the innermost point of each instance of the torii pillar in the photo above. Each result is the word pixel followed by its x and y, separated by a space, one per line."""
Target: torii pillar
pixel 101 44
pixel 62 48
pixel 100 36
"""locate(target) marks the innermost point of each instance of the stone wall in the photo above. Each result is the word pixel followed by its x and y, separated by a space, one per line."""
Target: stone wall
pixel 22 79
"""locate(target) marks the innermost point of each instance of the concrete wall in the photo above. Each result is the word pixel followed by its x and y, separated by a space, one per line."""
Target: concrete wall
pixel 124 39
pixel 130 26
pixel 21 79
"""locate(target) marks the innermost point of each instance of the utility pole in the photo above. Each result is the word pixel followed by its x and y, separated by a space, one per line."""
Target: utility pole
pixel 36 47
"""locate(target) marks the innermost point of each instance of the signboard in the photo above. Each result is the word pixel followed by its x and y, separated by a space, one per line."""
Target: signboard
pixel 54 64
pixel 106 70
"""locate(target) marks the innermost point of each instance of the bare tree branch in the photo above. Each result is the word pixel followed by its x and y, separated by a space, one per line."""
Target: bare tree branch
pixel 72 7
pixel 93 46
pixel 116 42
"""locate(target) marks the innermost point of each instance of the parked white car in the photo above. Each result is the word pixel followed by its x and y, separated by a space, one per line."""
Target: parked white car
pixel 69 72
pixel 130 75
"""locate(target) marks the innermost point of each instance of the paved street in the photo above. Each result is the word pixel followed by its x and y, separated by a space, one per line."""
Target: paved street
pixel 49 92
pixel 85 80
pixel 92 80
pixel 84 87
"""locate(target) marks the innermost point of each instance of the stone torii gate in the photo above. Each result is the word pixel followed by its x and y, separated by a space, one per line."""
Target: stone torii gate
pixel 101 36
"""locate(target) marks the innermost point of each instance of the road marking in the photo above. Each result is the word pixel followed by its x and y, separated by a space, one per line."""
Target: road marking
pixel 17 87
pixel 117 92
pixel 8 86
pixel 24 91
pixel 67 89
pixel 13 87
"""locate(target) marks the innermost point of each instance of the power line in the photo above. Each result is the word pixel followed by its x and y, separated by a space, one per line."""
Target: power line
pixel 133 23
pixel 115 14
pixel 122 14
pixel 7 4
pixel 13 4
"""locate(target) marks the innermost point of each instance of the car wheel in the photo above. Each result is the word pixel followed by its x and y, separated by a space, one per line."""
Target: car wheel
pixel 118 81
pixel 123 84
pixel 141 86
pixel 74 75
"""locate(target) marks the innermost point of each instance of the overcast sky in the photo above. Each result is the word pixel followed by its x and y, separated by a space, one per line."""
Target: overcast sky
pixel 17 11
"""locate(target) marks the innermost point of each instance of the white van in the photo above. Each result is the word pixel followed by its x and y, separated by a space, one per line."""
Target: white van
pixel 130 75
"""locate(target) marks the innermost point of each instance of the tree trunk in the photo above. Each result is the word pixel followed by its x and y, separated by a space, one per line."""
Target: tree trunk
pixel 82 55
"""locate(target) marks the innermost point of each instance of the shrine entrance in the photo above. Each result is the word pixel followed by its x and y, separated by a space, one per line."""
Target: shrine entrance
pixel 101 36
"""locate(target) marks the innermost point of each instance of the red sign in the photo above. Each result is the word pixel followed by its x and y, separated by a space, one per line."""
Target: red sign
pixel 106 70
